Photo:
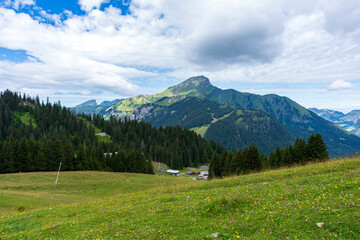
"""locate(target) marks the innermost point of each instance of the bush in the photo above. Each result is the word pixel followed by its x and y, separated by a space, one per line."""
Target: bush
pixel 21 208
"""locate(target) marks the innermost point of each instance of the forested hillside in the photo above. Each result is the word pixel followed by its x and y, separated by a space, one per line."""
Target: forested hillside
pixel 232 127
pixel 36 136
pixel 250 159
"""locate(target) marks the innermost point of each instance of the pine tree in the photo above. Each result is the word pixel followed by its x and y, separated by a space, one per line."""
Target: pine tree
pixel 299 149
pixel 237 163
pixel 222 164
pixel 9 155
pixel 80 158
pixel 253 157
pixel 215 167
pixel 1 158
pixel 279 157
pixel 150 167
pixel 273 159
pixel 287 156
pixel 69 161
pixel 22 154
pixel 316 148
pixel 227 165
pixel 265 163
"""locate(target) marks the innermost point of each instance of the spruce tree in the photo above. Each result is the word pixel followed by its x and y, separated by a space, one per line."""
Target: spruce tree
pixel 21 156
pixel 253 157
pixel 215 167
pixel 299 151
pixel 237 163
pixel 150 167
pixel 273 159
pixel 9 155
pixel 287 156
pixel 316 148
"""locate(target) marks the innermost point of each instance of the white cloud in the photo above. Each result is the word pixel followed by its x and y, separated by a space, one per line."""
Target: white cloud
pixel 17 4
pixel 88 5
pixel 340 85
pixel 56 18
pixel 305 42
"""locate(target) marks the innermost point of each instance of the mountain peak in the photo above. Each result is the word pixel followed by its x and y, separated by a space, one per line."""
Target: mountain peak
pixel 198 85
pixel 90 103
pixel 197 80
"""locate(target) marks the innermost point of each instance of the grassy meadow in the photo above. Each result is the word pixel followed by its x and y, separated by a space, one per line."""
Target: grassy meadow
pixel 278 204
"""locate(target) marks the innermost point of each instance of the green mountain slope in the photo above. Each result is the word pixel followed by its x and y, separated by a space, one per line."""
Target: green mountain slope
pixel 232 127
pixel 296 119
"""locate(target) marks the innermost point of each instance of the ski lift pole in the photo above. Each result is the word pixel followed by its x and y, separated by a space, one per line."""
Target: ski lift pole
pixel 57 177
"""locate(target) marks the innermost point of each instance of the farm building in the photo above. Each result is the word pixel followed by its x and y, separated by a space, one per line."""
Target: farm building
pixel 173 172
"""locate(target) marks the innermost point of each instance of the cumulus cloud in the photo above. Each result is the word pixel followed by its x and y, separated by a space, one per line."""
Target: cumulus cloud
pixel 237 31
pixel 88 5
pixel 340 85
pixel 215 32
pixel 308 41
pixel 17 4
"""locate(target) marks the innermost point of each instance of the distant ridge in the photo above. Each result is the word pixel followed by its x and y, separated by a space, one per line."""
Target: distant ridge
pixel 349 122
pixel 91 106
pixel 90 103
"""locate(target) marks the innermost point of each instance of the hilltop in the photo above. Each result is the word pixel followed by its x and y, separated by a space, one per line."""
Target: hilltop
pixel 278 204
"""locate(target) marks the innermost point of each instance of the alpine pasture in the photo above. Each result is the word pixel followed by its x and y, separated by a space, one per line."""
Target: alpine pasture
pixel 316 201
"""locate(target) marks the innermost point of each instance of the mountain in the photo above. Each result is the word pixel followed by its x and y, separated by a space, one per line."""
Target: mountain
pixel 91 107
pixel 349 122
pixel 330 115
pixel 90 103
pixel 109 103
pixel 353 116
pixel 193 87
pixel 223 123
pixel 297 120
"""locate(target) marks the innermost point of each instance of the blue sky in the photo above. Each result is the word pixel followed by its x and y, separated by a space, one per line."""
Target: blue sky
pixel 79 50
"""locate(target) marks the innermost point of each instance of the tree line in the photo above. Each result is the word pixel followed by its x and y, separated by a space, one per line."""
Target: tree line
pixel 36 136
pixel 30 155
pixel 249 159
pixel 175 146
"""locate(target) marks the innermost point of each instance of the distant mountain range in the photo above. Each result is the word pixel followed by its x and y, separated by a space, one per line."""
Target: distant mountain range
pixel 233 118
pixel 91 107
pixel 349 122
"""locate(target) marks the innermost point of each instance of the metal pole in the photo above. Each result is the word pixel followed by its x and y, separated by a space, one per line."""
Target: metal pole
pixel 57 177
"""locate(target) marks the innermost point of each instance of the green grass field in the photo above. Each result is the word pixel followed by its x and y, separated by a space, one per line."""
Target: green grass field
pixel 279 204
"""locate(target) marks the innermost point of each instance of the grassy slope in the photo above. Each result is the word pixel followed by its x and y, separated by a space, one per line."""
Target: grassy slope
pixel 25 118
pixel 36 190
pixel 270 205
